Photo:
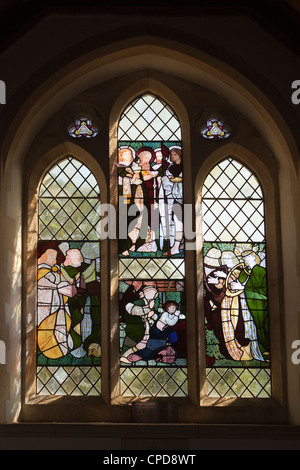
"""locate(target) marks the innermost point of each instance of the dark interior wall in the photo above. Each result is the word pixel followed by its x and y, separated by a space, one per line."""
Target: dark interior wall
pixel 236 40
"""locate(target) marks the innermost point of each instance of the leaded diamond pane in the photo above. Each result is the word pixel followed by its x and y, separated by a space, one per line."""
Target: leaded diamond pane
pixel 148 118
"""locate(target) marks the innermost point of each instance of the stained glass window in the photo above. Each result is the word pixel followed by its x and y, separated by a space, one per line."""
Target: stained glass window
pixel 235 278
pixel 83 129
pixel 68 282
pixel 215 129
pixel 151 251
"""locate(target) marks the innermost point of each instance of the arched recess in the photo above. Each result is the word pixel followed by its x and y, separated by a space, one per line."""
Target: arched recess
pixel 269 184
pixel 30 219
pixel 139 53
pixel 156 88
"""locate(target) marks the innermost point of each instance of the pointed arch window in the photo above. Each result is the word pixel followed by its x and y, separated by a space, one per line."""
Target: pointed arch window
pixel 68 282
pixel 151 251
pixel 235 278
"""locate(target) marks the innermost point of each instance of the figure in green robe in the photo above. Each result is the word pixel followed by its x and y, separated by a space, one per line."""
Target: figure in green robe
pixel 255 280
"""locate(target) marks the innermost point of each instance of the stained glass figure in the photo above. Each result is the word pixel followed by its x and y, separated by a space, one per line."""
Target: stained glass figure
pixel 215 129
pixel 83 129
pixel 68 282
pixel 235 280
pixel 151 251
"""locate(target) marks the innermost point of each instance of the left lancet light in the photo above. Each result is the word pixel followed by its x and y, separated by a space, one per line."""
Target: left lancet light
pixel 83 129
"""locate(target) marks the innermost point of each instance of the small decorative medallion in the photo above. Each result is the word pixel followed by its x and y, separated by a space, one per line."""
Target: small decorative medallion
pixel 215 129
pixel 83 129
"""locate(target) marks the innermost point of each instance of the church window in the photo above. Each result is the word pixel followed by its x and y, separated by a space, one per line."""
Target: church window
pixel 153 357
pixel 83 128
pixel 215 129
pixel 68 282
pixel 235 279
pixel 150 322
